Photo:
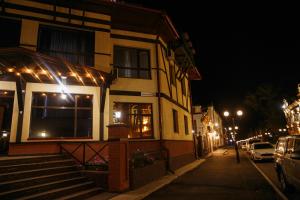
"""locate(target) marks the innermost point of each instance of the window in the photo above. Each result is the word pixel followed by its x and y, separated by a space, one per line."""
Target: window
pixel 10 33
pixel 186 125
pixel 132 63
pixel 139 118
pixel 297 146
pixel 175 121
pixel 77 47
pixel 183 88
pixel 6 110
pixel 56 115
pixel 172 75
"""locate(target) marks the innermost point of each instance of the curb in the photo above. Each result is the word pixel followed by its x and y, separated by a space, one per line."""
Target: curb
pixel 146 190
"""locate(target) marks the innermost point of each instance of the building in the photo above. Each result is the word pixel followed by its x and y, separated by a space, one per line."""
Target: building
pixel 292 115
pixel 208 129
pixel 70 69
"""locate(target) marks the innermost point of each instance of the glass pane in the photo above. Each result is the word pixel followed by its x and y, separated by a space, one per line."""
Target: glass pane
pixel 6 110
pixel 146 109
pixel 85 101
pixel 144 59
pixel 52 99
pixel 145 74
pixel 10 35
pixel 52 123
pixel 84 123
pixel 147 126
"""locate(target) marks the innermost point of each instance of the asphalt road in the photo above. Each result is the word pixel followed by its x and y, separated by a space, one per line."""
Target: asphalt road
pixel 219 177
pixel 268 169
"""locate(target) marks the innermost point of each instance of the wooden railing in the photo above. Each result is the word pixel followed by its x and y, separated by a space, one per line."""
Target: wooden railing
pixel 80 154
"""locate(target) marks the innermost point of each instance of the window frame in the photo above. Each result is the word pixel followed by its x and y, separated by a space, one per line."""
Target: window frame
pixel 82 33
pixel 175 121
pixel 138 68
pixel 186 125
pixel 75 108
pixel 172 75
pixel 140 117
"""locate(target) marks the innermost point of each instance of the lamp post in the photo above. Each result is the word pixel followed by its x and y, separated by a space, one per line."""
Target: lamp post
pixel 239 113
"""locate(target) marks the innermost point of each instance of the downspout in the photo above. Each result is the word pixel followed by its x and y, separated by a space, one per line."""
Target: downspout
pixel 161 145
pixel 158 91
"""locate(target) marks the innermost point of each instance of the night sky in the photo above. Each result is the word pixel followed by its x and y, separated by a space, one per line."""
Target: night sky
pixel 238 47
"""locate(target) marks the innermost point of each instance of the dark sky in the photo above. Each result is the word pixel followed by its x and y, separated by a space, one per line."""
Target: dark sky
pixel 238 46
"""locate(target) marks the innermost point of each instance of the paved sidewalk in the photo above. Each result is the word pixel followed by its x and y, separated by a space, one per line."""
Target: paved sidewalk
pixel 146 190
pixel 219 177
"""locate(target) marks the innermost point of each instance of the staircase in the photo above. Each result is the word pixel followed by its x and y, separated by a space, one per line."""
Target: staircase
pixel 44 177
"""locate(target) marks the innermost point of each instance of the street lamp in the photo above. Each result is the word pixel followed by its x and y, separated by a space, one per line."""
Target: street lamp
pixel 239 113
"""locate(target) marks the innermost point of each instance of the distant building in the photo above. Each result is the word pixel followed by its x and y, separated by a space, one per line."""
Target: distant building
pixel 208 129
pixel 292 115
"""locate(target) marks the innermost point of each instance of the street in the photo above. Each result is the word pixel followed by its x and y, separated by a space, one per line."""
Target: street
pixel 220 177
pixel 268 169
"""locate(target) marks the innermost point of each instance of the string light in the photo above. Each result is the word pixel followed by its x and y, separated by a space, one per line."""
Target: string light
pixel 10 70
pixel 29 71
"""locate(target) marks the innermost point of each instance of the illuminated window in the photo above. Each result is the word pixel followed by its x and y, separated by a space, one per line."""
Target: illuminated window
pixel 56 115
pixel 139 118
pixel 132 62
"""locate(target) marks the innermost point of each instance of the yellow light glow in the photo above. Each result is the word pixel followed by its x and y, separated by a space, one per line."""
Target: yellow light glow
pixel 10 69
pixel 29 71
pixel 18 74
pixel 239 113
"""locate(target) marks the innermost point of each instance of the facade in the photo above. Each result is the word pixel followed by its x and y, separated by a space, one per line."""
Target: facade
pixel 71 69
pixel 292 115
pixel 208 129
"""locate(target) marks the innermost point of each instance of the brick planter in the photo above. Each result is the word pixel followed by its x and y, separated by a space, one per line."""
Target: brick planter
pixel 142 176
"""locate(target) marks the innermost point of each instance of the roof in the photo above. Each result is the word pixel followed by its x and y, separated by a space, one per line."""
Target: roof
pixel 32 66
pixel 127 17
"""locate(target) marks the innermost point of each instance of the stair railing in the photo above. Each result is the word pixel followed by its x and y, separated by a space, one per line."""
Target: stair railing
pixel 82 158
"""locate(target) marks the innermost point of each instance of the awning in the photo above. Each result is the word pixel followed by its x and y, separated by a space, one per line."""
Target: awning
pixel 35 67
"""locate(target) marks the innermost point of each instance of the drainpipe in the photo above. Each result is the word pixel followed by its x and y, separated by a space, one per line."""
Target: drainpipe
pixel 158 91
pixel 159 108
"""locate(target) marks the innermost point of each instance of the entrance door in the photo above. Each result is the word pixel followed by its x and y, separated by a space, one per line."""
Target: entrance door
pixel 6 110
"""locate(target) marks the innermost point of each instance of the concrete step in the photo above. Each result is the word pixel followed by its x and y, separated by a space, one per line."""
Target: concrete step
pixel 34 173
pixel 82 194
pixel 13 194
pixel 60 192
pixel 21 183
pixel 38 165
pixel 15 160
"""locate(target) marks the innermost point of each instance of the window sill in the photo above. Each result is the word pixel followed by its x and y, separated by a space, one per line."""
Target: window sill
pixel 62 138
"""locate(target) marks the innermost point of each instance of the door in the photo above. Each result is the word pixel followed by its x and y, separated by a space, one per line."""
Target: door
pixel 6 110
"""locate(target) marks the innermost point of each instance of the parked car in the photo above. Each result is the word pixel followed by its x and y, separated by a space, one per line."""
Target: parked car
pixel 287 162
pixel 261 151
pixel 249 143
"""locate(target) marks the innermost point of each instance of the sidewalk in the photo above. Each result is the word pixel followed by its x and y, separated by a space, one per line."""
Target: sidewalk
pixel 146 190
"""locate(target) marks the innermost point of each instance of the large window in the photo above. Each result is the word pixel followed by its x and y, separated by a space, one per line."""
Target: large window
pixel 175 121
pixel 55 115
pixel 132 63
pixel 77 47
pixel 139 118
pixel 10 33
